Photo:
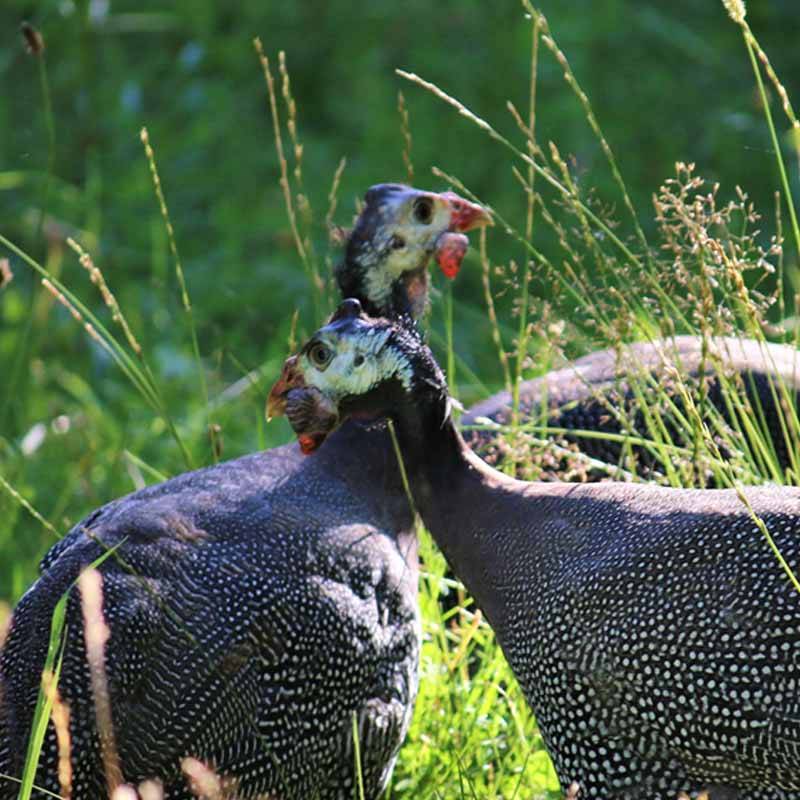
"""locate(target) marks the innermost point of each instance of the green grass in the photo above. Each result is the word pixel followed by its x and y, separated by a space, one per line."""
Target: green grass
pixel 159 392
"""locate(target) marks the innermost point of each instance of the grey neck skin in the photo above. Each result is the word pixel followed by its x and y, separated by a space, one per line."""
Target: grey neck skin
pixel 460 498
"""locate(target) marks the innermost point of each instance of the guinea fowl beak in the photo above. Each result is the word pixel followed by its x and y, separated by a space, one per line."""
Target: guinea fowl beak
pixel 290 378
pixel 309 413
pixel 465 216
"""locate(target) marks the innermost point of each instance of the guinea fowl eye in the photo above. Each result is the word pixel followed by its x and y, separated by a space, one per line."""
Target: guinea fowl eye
pixel 320 355
pixel 358 360
pixel 398 242
pixel 423 210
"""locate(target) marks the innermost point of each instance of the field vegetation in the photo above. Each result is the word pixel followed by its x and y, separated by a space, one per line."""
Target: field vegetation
pixel 173 195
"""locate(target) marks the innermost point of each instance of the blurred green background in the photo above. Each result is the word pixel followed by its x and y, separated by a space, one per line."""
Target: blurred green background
pixel 668 80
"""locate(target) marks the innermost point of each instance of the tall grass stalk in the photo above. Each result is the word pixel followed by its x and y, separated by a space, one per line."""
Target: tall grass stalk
pixel 333 193
pixel 776 145
pixel 309 264
pixel 497 336
pixel 738 13
pixel 742 495
pixel 357 754
pixel 523 331
pixel 569 76
pixel 541 171
pixel 405 130
pixel 187 305
pixel 51 672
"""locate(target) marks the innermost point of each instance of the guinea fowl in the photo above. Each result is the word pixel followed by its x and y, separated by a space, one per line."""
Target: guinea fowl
pixel 596 393
pixel 653 631
pixel 258 609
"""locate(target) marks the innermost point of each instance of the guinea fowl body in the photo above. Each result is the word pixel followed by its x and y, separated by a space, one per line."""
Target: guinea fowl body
pixel 256 608
pixel 581 396
pixel 259 605
pixel 653 631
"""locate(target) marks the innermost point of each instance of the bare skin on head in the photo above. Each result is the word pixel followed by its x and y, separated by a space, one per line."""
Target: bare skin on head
pixel 397 232
pixel 329 368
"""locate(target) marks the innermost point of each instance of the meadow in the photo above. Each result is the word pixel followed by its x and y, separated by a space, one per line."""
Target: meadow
pixel 183 200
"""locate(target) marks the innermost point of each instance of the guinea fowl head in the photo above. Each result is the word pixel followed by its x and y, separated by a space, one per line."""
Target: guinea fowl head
pixel 398 230
pixel 355 366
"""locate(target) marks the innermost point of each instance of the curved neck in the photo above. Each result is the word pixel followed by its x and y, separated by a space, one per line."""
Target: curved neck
pixel 463 502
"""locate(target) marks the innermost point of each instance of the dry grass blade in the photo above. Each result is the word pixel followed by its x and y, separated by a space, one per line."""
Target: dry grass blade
pixel 124 792
pixel 776 82
pixel 572 81
pixel 405 130
pixel 96 634
pixel 333 194
pixel 497 337
pixel 736 10
pixel 205 783
pixel 450 100
pixel 523 330
pixel 151 790
pixel 540 170
pixel 291 119
pixel 77 316
pixel 573 792
pixel 60 717
pixel 96 277
pixel 757 55
pixel 173 246
pixel 311 270
pixel 162 203
pixel 6 275
pixel 5 624
pixel 292 340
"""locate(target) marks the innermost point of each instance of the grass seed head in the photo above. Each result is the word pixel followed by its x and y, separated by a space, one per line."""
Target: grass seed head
pixel 736 10
pixel 34 41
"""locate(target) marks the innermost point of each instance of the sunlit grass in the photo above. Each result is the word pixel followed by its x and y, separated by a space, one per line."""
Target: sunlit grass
pixel 473 735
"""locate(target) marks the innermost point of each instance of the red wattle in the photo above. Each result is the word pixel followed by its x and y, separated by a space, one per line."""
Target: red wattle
pixel 450 251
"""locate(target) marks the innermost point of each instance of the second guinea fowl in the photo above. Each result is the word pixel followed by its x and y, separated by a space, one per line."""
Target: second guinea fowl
pixel 256 608
pixel 653 631
pixel 636 390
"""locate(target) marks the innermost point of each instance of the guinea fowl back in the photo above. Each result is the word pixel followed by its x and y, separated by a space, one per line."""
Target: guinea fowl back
pixel 654 632
pixel 237 580
pixel 583 395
